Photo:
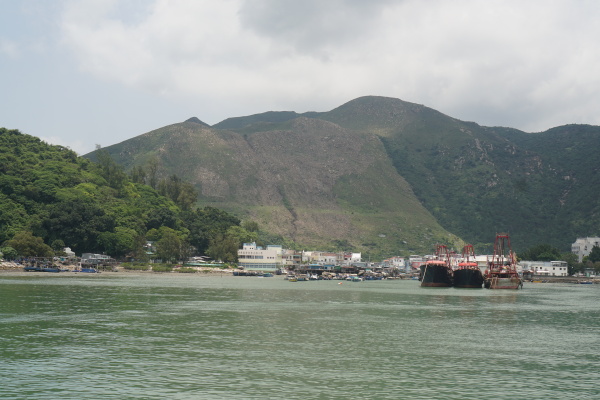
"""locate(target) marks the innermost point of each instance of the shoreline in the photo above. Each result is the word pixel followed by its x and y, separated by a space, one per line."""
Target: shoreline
pixel 14 269
pixel 11 268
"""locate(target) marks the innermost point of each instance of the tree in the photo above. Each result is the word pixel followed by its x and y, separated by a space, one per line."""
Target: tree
pixel 161 217
pixel 110 170
pixel 77 222
pixel 187 196
pixel 250 226
pixel 541 252
pixel 9 253
pixel 153 166
pixel 240 235
pixel 119 242
pixel 207 224
pixel 28 245
pixel 594 255
pixel 57 245
pixel 169 246
pixel 139 251
pixel 138 174
pixel 223 248
pixel 572 265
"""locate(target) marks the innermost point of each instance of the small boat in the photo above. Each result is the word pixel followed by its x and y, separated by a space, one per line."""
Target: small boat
pixel 32 268
pixel 292 279
pixel 502 268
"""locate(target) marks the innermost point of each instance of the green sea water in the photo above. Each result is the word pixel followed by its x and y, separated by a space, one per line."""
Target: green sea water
pixel 176 336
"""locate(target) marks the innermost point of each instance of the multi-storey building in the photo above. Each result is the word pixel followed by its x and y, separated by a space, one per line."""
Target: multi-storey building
pixel 255 258
pixel 583 246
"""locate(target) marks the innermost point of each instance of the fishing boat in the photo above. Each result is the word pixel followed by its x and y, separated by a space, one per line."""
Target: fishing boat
pixel 502 268
pixel 468 274
pixel 436 272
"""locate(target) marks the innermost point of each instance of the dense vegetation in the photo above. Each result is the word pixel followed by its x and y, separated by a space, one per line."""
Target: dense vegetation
pixel 51 198
pixel 384 176
pixel 311 183
pixel 478 181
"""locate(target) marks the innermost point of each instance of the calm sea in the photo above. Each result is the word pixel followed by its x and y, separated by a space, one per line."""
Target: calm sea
pixel 171 336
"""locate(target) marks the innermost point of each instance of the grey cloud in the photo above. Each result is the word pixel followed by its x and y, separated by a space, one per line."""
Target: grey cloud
pixel 312 25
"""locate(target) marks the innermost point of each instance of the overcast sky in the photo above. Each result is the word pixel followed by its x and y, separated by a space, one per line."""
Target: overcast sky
pixel 85 72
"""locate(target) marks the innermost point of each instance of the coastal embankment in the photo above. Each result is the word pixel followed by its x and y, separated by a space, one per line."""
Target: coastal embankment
pixel 16 268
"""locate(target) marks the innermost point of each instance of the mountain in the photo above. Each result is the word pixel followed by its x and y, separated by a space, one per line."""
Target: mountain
pixel 384 176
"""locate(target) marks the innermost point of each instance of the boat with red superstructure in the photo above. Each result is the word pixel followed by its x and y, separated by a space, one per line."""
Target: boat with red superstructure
pixel 436 272
pixel 468 274
pixel 502 268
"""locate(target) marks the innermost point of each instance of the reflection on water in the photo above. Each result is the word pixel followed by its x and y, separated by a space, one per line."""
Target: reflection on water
pixel 168 336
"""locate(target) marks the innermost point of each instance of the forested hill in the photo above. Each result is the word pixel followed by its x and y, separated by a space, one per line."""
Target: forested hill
pixel 49 192
pixel 383 174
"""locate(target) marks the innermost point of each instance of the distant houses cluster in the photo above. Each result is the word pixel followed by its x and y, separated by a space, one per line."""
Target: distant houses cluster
pixel 274 257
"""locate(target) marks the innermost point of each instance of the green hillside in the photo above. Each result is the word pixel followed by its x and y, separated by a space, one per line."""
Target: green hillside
pixel 478 180
pixel 384 176
pixel 309 181
pixel 70 201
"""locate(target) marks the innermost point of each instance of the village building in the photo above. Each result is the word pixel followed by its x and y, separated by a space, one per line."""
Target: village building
pixel 583 246
pixel 256 258
pixel 92 259
pixel 545 268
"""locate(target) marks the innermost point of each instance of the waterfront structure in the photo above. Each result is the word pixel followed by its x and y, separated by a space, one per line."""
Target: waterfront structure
pixel 96 259
pixel 396 262
pixel 256 258
pixel 329 258
pixel 291 258
pixel 583 246
pixel 546 268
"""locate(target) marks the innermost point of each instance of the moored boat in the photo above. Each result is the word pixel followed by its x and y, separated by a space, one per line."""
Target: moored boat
pixel 437 272
pixel 468 274
pixel 502 268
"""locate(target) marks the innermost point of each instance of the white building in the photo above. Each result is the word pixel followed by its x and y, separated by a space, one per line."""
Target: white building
pixel 546 268
pixel 96 259
pixel 291 258
pixel 583 246
pixel 255 258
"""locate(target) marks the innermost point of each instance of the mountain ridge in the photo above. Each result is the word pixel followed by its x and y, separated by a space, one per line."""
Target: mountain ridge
pixel 377 164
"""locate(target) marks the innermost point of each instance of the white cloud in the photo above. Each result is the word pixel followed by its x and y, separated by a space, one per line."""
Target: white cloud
pixel 77 146
pixel 530 65
pixel 8 48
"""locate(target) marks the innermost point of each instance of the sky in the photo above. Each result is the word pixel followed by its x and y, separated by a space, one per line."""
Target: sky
pixel 82 73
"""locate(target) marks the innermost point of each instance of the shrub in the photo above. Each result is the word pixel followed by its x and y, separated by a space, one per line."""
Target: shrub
pixel 161 268
pixel 136 267
pixel 187 270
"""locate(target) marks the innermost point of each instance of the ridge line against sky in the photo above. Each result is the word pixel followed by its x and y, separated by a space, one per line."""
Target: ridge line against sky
pixel 87 72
